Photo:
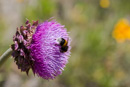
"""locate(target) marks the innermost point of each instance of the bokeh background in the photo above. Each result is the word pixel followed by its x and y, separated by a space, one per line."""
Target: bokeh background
pixel 97 58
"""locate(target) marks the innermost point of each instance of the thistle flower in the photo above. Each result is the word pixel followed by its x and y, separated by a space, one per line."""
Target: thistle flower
pixel 37 47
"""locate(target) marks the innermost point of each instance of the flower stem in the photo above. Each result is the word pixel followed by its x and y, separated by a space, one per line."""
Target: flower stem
pixel 5 56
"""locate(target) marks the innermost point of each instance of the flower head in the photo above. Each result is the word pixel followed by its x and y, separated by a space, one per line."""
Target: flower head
pixel 49 61
pixel 122 30
pixel 104 3
pixel 44 49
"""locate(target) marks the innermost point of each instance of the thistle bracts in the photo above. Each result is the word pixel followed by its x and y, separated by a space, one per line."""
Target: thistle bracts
pixel 21 47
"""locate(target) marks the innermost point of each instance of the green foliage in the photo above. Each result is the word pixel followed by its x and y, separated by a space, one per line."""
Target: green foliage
pixel 41 10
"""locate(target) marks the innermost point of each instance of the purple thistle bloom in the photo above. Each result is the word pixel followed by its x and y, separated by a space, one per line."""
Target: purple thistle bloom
pixel 44 51
pixel 49 61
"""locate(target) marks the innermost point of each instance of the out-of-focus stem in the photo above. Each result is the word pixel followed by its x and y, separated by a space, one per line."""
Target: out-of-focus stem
pixel 5 56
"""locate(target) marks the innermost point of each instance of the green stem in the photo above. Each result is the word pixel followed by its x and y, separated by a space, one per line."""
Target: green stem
pixel 5 56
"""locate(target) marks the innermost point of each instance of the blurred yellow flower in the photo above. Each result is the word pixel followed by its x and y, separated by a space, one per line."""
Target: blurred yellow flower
pixel 104 3
pixel 121 31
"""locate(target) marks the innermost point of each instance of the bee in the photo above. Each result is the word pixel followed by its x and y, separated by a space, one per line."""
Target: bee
pixel 64 45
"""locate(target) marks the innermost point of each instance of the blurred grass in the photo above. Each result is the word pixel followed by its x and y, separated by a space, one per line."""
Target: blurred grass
pixel 40 11
pixel 97 60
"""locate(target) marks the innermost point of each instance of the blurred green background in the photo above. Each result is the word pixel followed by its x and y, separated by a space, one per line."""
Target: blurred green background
pixel 97 60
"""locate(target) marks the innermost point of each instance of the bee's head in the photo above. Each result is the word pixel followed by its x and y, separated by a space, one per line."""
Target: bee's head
pixel 61 41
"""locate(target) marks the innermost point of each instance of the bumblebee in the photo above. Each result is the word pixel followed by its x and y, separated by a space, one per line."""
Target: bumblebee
pixel 64 45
